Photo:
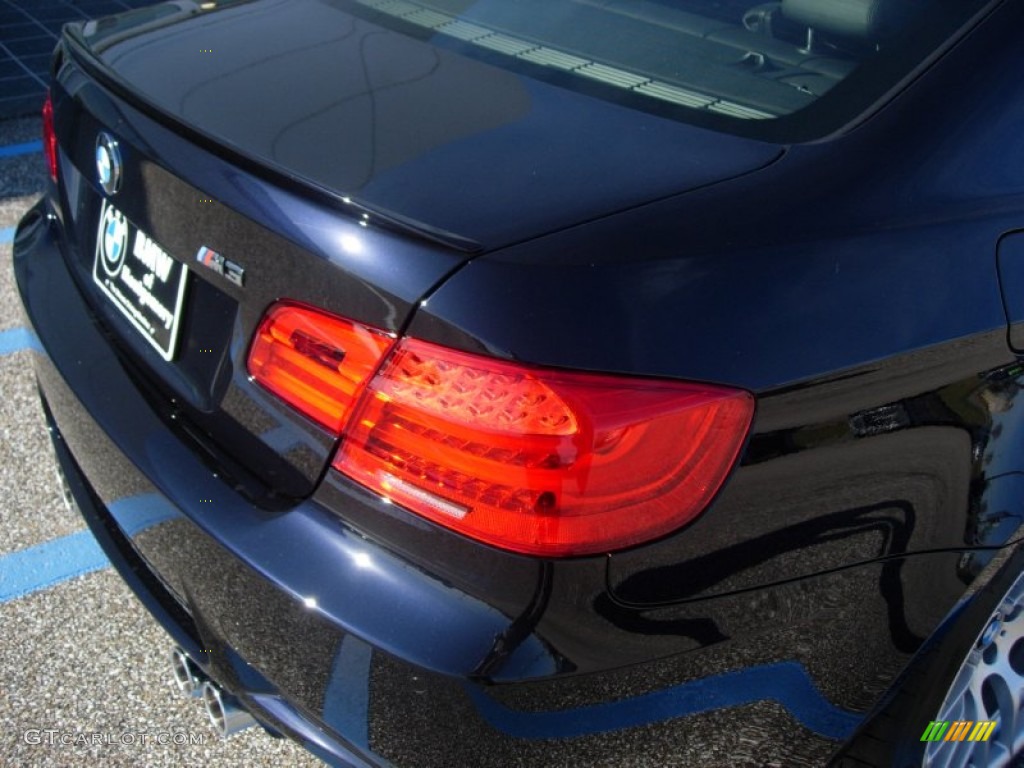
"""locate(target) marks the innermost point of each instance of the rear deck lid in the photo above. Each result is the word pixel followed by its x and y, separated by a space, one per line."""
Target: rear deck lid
pixel 360 100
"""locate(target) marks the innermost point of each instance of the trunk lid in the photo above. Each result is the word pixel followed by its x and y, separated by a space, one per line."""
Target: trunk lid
pixel 407 127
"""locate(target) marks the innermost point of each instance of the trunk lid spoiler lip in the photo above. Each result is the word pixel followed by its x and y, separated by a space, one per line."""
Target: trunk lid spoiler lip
pixel 84 57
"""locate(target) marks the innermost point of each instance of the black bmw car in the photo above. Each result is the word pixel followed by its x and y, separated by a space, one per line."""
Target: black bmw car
pixel 553 382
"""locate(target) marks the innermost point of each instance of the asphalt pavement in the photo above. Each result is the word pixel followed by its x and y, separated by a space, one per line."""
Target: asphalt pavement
pixel 84 669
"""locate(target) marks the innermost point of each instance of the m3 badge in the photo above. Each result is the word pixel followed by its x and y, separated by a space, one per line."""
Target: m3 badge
pixel 212 260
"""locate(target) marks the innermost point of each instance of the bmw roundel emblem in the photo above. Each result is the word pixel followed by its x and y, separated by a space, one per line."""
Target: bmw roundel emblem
pixel 108 163
pixel 113 240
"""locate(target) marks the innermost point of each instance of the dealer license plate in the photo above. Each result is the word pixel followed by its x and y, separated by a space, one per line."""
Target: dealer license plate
pixel 145 283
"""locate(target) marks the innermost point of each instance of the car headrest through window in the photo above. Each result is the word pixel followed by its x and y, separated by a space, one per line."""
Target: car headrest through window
pixel 866 20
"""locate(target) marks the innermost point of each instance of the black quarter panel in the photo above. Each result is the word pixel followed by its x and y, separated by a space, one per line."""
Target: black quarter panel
pixel 852 286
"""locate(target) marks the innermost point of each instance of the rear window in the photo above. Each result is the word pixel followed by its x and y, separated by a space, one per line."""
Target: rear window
pixel 789 70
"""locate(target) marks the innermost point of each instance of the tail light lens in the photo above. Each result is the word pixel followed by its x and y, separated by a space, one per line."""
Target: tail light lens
pixel 316 362
pixel 532 460
pixel 539 461
pixel 49 137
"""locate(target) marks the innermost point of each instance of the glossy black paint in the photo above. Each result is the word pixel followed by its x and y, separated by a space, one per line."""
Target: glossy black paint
pixel 852 285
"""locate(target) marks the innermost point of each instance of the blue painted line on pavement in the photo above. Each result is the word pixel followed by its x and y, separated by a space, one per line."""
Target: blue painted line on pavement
pixel 17 339
pixel 7 235
pixel 13 150
pixel 785 682
pixel 44 565
pixel 50 563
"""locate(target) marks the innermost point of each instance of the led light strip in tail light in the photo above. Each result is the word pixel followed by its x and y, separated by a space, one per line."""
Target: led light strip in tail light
pixel 533 460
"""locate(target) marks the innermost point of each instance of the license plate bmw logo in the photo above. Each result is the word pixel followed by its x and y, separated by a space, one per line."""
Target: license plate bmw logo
pixel 143 282
pixel 113 242
pixel 108 163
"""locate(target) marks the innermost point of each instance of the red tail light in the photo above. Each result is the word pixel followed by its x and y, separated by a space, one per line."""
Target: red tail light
pixel 532 460
pixel 49 137
pixel 539 461
pixel 316 362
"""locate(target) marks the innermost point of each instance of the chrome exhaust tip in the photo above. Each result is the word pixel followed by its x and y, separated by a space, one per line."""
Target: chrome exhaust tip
pixel 187 675
pixel 226 713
